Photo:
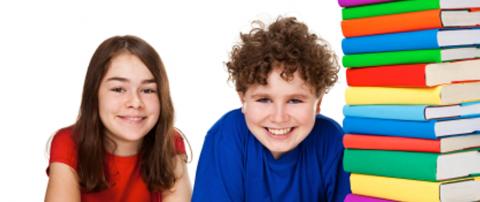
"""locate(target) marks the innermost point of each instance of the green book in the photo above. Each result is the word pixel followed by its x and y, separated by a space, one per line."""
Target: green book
pixel 405 6
pixel 413 165
pixel 410 57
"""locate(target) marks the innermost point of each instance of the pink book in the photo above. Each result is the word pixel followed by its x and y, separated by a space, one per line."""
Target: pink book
pixel 359 198
pixel 349 3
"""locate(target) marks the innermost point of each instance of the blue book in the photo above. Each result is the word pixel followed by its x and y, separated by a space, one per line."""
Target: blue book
pixel 431 129
pixel 413 112
pixel 417 40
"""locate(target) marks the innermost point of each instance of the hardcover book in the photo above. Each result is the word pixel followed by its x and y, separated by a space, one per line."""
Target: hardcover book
pixel 403 22
pixel 405 6
pixel 416 40
pixel 360 198
pixel 398 189
pixel 396 143
pixel 413 112
pixel 415 75
pixel 348 3
pixel 410 57
pixel 439 95
pixel 412 165
pixel 432 129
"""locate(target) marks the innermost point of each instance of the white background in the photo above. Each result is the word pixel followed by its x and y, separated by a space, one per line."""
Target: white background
pixel 45 47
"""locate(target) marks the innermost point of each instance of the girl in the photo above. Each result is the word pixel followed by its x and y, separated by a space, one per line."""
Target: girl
pixel 123 147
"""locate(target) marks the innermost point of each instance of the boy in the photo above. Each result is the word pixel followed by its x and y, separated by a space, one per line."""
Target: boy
pixel 276 147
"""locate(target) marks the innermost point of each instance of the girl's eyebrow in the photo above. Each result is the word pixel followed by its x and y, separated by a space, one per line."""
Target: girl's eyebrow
pixel 122 79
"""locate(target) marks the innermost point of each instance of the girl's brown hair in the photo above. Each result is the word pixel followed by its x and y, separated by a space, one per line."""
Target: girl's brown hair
pixel 286 42
pixel 156 154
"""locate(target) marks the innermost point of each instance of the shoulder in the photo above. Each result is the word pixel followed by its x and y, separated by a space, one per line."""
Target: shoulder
pixel 62 148
pixel 178 141
pixel 232 122
pixel 328 124
pixel 327 132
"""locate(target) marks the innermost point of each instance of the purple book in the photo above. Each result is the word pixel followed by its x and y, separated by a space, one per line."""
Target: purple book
pixel 358 198
pixel 349 3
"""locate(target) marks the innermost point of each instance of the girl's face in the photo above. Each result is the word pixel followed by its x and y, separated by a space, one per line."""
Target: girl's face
pixel 282 113
pixel 128 102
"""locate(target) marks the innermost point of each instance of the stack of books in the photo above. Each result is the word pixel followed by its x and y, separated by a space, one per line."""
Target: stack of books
pixel 412 118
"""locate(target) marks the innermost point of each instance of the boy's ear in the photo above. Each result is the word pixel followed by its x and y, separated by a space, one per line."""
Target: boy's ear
pixel 241 96
pixel 242 99
pixel 319 102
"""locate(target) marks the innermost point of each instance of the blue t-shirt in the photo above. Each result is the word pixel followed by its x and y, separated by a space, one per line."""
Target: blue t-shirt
pixel 235 166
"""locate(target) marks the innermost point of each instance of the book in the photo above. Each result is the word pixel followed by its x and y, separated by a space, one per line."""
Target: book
pixel 348 3
pixel 396 143
pixel 420 20
pixel 413 112
pixel 415 40
pixel 415 75
pixel 404 7
pixel 360 198
pixel 431 129
pixel 439 95
pixel 463 189
pixel 410 57
pixel 412 165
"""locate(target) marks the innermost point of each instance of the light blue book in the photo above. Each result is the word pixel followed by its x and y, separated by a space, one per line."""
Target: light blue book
pixel 431 129
pixel 413 112
pixel 417 40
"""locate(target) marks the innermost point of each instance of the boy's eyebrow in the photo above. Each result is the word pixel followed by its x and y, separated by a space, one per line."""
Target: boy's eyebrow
pixel 122 79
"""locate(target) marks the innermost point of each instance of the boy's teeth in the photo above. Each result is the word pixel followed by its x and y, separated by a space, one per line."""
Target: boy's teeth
pixel 282 131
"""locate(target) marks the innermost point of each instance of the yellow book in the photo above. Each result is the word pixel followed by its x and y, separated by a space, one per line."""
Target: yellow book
pixel 398 189
pixel 439 95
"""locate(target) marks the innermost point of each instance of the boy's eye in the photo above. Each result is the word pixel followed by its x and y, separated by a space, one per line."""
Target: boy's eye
pixel 118 90
pixel 149 90
pixel 295 101
pixel 264 100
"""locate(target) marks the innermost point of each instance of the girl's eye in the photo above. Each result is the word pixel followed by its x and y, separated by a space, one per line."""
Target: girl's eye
pixel 118 90
pixel 264 100
pixel 149 90
pixel 295 101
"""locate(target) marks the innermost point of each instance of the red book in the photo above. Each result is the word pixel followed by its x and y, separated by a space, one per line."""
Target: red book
pixel 442 145
pixel 415 75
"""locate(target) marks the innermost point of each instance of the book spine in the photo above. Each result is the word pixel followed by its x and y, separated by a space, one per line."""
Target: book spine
pixel 392 95
pixel 348 3
pixel 392 58
pixel 377 142
pixel 403 22
pixel 409 75
pixel 395 188
pixel 390 127
pixel 389 8
pixel 426 39
pixel 399 164
pixel 399 112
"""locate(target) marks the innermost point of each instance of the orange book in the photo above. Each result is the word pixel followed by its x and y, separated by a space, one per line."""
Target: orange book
pixel 412 21
pixel 441 145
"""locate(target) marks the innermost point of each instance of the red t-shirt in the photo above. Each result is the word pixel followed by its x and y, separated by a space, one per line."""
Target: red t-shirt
pixel 127 184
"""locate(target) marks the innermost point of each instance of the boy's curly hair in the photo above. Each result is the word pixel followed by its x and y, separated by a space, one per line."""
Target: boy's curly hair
pixel 286 42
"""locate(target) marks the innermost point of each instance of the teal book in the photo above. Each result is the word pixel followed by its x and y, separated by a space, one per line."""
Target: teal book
pixel 413 165
pixel 413 112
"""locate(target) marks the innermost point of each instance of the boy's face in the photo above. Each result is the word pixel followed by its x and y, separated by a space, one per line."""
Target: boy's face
pixel 282 113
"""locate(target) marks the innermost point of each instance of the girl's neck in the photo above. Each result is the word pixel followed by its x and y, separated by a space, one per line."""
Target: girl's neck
pixel 122 148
